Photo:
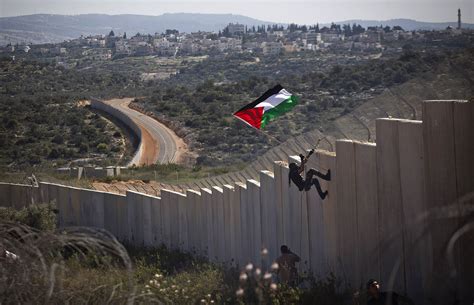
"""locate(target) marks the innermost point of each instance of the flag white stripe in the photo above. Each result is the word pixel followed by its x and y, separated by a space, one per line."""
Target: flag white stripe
pixel 274 100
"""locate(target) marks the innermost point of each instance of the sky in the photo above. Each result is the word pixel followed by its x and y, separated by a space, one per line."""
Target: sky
pixel 284 11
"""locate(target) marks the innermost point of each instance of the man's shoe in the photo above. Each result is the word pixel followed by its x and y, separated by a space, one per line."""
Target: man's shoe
pixel 325 194
pixel 328 175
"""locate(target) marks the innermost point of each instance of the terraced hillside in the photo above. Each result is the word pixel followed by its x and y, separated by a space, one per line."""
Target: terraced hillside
pixel 402 101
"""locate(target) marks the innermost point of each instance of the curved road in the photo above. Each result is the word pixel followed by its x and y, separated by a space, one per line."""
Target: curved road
pixel 159 143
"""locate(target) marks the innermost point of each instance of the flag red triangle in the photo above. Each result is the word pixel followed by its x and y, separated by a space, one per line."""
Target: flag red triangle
pixel 252 116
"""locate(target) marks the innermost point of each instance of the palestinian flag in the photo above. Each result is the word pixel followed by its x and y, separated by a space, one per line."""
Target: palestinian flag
pixel 266 108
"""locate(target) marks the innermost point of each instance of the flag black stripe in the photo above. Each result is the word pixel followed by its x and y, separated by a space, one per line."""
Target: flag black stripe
pixel 265 96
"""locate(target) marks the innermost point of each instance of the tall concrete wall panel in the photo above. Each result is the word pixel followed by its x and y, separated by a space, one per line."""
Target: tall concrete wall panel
pixel 138 226
pixel 391 227
pixel 113 214
pixel 347 211
pixel 5 194
pixel 52 192
pixel 254 216
pixel 183 237
pixel 464 147
pixel 286 204
pixel 197 231
pixel 367 211
pixel 131 217
pixel 121 218
pixel 43 190
pixel 327 161
pixel 97 209
pixel 206 197
pixel 18 196
pixel 91 208
pixel 417 254
pixel 173 216
pixel 156 221
pixel 236 230
pixel 85 202
pixel 316 221
pixel 165 217
pixel 229 228
pixel 304 251
pixel 442 185
pixel 64 216
pixel 245 223
pixel 147 220
pixel 75 205
pixel 278 180
pixel 269 214
pixel 218 221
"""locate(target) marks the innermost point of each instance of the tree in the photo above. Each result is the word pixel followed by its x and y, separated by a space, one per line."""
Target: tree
pixel 347 29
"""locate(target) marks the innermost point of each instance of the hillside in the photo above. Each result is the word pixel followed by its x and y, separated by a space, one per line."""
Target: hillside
pixel 43 28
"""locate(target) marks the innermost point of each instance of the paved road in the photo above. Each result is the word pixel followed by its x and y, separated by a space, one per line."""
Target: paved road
pixel 159 143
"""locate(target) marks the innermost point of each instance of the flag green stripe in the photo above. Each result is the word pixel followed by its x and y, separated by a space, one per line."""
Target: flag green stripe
pixel 280 109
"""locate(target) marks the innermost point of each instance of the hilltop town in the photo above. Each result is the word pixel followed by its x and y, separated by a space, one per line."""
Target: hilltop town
pixel 235 38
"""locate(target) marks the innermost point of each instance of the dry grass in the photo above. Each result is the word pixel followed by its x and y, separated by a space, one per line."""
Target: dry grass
pixel 64 267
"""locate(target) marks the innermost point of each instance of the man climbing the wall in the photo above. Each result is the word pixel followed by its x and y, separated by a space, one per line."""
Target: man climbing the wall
pixel 305 184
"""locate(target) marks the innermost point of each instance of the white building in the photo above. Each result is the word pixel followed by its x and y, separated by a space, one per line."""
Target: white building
pixel 313 38
pixel 236 29
pixel 272 48
pixel 121 47
pixel 330 37
pixel 98 54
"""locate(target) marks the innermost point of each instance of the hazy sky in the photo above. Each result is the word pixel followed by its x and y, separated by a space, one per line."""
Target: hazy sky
pixel 299 11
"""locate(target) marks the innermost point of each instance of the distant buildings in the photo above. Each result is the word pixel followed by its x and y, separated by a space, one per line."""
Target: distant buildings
pixel 236 29
pixel 267 40
pixel 272 48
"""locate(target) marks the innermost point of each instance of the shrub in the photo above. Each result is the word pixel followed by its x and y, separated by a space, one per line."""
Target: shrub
pixel 40 216
pixel 102 147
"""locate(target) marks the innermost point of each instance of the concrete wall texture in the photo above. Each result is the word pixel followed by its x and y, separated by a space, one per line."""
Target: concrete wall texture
pixel 127 121
pixel 398 211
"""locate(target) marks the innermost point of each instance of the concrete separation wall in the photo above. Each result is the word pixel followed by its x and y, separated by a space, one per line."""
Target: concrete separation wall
pixel 127 121
pixel 392 211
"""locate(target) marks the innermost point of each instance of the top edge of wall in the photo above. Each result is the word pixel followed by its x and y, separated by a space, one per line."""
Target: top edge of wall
pixel 164 190
pixel 445 101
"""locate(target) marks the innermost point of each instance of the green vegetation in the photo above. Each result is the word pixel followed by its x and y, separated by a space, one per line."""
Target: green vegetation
pixel 83 266
pixel 35 131
pixel 41 123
